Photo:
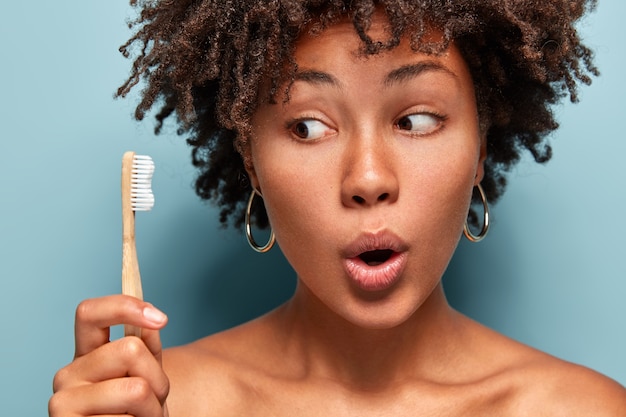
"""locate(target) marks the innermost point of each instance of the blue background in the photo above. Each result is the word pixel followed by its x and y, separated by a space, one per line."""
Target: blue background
pixel 551 273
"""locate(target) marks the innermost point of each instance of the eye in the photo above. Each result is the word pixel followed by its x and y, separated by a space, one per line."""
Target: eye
pixel 420 123
pixel 309 129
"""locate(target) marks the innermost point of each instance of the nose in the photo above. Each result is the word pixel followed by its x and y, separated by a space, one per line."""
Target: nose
pixel 369 176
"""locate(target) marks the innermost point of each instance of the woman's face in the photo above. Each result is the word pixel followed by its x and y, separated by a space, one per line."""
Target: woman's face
pixel 367 172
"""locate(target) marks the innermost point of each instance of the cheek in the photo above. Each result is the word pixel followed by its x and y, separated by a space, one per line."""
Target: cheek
pixel 293 197
pixel 445 180
pixel 297 181
pixel 440 204
pixel 454 185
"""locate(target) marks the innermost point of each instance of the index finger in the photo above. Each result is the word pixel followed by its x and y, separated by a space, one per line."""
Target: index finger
pixel 95 316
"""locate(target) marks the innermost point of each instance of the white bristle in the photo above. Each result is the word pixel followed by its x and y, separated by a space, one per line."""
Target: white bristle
pixel 141 196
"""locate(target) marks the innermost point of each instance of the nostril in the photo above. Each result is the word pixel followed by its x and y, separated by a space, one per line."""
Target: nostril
pixel 358 199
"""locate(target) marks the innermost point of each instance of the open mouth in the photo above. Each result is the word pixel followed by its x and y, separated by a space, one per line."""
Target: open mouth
pixel 375 261
pixel 376 257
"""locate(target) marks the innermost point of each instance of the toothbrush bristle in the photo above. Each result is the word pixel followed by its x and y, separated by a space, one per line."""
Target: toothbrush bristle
pixel 141 196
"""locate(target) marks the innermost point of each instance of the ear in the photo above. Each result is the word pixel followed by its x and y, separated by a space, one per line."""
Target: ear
pixel 480 168
pixel 252 176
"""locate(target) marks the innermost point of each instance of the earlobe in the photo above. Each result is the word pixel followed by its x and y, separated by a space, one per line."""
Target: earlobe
pixel 248 164
pixel 480 168
pixel 252 177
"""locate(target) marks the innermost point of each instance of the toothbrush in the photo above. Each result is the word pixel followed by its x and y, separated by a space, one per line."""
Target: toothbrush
pixel 137 195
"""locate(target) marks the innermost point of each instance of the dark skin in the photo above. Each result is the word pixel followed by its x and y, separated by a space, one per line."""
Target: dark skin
pixel 388 344
pixel 524 57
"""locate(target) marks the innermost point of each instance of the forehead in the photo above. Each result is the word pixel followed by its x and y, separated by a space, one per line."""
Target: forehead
pixel 340 47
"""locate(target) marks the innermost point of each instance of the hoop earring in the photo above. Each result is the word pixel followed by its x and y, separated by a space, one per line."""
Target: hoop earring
pixel 251 241
pixel 466 230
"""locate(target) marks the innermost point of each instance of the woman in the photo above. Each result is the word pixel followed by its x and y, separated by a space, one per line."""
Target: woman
pixel 364 129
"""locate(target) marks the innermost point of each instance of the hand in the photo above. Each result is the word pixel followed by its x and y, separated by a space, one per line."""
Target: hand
pixel 123 377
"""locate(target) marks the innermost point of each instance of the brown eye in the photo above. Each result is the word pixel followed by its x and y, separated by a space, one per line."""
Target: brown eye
pixel 405 123
pixel 301 130
pixel 419 123
pixel 309 129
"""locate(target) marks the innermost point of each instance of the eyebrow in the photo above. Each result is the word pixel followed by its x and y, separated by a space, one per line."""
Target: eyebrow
pixel 396 76
pixel 407 72
pixel 317 77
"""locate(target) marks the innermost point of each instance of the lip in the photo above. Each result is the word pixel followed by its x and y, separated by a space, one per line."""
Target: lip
pixel 375 277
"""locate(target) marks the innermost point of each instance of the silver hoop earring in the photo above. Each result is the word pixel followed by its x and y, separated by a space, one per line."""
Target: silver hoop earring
pixel 251 241
pixel 466 230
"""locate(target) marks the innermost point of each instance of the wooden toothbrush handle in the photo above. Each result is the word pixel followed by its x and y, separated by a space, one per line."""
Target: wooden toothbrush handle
pixel 131 279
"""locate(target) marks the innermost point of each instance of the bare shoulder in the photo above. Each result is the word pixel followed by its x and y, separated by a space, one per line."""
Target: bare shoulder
pixel 548 386
pixel 559 388
pixel 534 383
pixel 210 377
pixel 198 373
pixel 231 374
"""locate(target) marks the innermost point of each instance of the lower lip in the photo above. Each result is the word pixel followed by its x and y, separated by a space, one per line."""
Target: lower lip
pixel 378 277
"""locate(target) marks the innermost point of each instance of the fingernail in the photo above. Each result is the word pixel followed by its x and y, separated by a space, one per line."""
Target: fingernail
pixel 154 315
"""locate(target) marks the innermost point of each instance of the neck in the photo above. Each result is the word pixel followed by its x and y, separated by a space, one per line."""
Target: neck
pixel 371 359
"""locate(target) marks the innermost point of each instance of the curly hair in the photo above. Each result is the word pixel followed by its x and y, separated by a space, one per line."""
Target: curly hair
pixel 204 61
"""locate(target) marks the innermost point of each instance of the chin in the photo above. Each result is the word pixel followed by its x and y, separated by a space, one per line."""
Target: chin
pixel 381 314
